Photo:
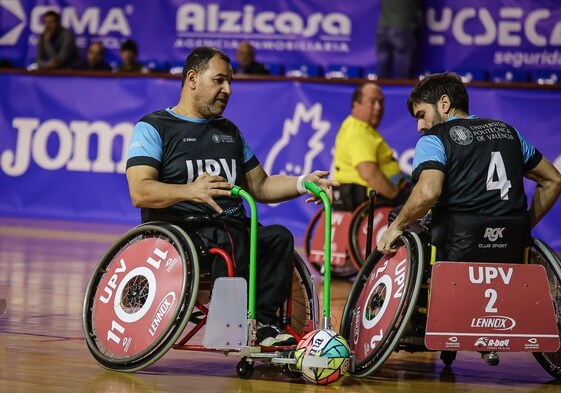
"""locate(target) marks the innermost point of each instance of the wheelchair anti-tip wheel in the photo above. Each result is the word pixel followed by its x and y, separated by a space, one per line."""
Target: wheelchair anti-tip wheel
pixel 140 296
pixel 244 369
pixel 381 303
pixel 541 254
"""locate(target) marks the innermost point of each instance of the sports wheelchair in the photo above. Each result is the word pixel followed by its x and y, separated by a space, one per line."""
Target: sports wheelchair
pixel 409 302
pixel 351 231
pixel 153 285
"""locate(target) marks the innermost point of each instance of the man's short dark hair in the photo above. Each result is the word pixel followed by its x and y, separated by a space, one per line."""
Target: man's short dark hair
pixel 53 14
pixel 199 58
pixel 431 88
pixel 129 46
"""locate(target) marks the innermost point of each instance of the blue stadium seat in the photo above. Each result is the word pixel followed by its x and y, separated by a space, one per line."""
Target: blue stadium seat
pixel 470 75
pixel 274 68
pixel 176 67
pixel 343 71
pixel 156 66
pixel 33 66
pixel 508 75
pixel 545 77
pixel 302 70
pixel 422 75
pixel 370 73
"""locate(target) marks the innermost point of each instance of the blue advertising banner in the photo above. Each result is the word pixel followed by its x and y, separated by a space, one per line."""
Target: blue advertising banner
pixel 473 34
pixel 63 140
pixel 488 35
pixel 284 31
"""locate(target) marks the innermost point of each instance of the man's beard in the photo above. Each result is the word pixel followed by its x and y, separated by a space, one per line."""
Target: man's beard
pixel 437 118
pixel 211 109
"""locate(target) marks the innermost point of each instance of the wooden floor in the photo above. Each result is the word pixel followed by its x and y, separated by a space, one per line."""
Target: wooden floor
pixel 44 269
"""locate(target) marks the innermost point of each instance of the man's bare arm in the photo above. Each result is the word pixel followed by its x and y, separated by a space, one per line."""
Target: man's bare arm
pixel 146 191
pixel 423 197
pixel 547 190
pixel 279 188
pixel 376 180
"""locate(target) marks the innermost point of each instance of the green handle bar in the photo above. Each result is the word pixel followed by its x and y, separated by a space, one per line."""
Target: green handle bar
pixel 238 191
pixel 318 192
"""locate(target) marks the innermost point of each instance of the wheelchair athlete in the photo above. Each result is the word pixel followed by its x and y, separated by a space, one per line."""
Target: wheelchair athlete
pixel 469 172
pixel 182 163
pixel 362 159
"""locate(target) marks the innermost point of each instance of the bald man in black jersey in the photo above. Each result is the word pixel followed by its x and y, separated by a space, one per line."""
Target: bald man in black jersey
pixel 182 163
pixel 470 172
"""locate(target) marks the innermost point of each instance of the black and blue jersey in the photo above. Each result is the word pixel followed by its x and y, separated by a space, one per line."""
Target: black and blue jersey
pixel 182 148
pixel 484 162
pixel 482 213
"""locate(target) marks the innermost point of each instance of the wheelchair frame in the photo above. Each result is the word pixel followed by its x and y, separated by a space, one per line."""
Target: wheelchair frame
pixel 354 258
pixel 415 245
pixel 132 298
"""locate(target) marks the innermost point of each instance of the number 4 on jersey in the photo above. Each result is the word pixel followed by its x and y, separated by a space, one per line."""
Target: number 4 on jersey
pixel 496 175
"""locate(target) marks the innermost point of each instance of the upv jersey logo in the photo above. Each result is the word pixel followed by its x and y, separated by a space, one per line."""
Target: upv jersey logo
pixel 294 152
pixel 13 21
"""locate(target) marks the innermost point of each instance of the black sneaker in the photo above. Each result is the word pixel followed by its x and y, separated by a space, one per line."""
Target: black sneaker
pixel 273 336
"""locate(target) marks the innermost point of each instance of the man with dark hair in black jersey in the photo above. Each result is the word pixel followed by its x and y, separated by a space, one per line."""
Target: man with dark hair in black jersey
pixel 182 163
pixel 470 172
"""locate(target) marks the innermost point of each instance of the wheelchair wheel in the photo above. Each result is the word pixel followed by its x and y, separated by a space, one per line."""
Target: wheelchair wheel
pixel 344 270
pixel 381 303
pixel 140 296
pixel 310 230
pixel 359 228
pixel 301 312
pixel 541 254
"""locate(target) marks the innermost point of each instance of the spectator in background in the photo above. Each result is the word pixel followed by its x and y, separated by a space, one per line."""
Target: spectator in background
pixel 363 159
pixel 95 58
pixel 397 37
pixel 245 55
pixel 57 47
pixel 129 53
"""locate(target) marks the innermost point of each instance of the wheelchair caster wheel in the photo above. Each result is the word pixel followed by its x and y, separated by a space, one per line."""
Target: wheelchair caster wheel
pixel 448 357
pixel 244 369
